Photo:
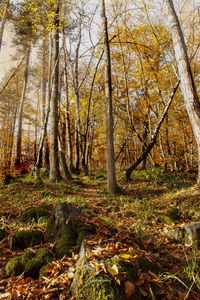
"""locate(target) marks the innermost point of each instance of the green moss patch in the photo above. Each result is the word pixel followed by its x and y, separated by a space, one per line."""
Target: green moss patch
pixel 14 266
pixel 65 243
pixel 33 266
pixel 34 213
pixel 25 239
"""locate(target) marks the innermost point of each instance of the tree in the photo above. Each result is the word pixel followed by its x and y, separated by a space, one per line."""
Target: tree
pixel 188 87
pixel 54 158
pixel 111 174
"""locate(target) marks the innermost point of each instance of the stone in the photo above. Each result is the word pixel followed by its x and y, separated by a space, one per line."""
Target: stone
pixel 192 234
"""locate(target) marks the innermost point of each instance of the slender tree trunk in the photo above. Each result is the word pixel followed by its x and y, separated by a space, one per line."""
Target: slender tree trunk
pixel 54 160
pixel 21 109
pixel 188 87
pixel 111 174
pixel 149 147
pixel 3 22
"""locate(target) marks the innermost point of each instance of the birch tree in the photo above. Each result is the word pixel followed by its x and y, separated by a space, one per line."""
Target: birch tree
pixel 188 87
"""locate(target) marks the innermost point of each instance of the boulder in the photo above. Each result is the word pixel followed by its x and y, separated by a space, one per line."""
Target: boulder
pixel 189 234
pixel 90 284
pixel 192 234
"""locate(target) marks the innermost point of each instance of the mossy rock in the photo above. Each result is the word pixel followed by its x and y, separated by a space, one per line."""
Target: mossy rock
pixel 43 270
pixel 2 234
pixel 173 213
pixel 33 266
pixel 28 255
pixel 34 213
pixel 86 286
pixel 14 266
pixel 164 219
pixel 65 243
pixel 25 239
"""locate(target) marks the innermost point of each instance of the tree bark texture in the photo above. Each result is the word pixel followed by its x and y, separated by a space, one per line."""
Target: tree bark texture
pixel 111 174
pixel 188 87
pixel 21 109
pixel 54 158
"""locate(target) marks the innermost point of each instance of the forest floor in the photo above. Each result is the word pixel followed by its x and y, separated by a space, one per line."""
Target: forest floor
pixel 140 210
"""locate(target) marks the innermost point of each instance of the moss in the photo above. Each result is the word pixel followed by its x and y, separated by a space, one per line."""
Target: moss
pixel 2 234
pixel 14 266
pixel 43 271
pixel 34 265
pixel 164 218
pixel 34 213
pixel 86 286
pixel 28 255
pixel 25 239
pixel 65 243
pixel 173 213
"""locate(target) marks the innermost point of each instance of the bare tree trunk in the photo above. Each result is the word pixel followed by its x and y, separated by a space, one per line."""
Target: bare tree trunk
pixel 43 148
pixel 3 22
pixel 54 160
pixel 21 109
pixel 111 174
pixel 188 87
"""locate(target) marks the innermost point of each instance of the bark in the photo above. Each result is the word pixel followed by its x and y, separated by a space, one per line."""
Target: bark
pixel 111 174
pixel 76 91
pixel 66 172
pixel 3 22
pixel 21 109
pixel 153 138
pixel 188 87
pixel 43 148
pixel 54 160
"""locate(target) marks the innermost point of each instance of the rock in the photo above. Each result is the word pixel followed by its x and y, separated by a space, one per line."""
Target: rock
pixel 34 213
pixel 87 285
pixel 189 234
pixel 25 239
pixel 192 234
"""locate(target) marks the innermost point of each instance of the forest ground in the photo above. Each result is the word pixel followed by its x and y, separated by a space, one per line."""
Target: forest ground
pixel 141 209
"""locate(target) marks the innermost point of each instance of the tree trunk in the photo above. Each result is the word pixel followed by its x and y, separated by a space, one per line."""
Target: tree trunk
pixel 54 160
pixel 188 87
pixel 111 174
pixel 21 109
pixel 149 147
pixel 3 22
